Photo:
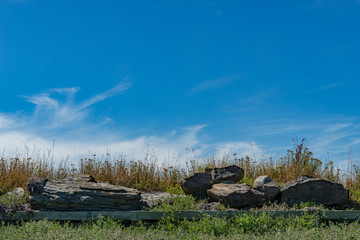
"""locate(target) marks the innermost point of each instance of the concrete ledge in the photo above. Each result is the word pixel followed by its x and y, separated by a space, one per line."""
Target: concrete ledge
pixel 148 215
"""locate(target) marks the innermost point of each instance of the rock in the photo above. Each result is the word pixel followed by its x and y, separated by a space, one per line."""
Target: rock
pixel 35 185
pixel 266 185
pixel 229 173
pixel 200 182
pixel 213 206
pixel 197 184
pixel 236 195
pixel 81 193
pixel 309 189
pixel 151 199
pixel 26 208
pixel 310 209
pixel 261 181
pixel 17 192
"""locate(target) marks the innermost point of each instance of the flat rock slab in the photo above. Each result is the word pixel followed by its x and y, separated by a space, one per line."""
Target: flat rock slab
pixel 236 195
pixel 81 193
pixel 308 189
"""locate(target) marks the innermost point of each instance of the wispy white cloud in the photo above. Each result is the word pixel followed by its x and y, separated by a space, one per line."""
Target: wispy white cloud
pixel 313 4
pixel 259 97
pixel 17 1
pixel 5 122
pixel 247 103
pixel 336 127
pixel 325 87
pixel 251 149
pixel 102 96
pixel 331 136
pixel 172 149
pixel 212 84
pixel 18 134
pixel 57 113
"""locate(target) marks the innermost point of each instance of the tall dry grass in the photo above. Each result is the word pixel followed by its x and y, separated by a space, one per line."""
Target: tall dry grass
pixel 147 175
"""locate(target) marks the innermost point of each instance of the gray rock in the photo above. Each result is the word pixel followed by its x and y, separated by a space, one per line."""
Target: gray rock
pixel 309 189
pixel 229 173
pixel 261 181
pixel 17 192
pixel 236 195
pixel 310 209
pixel 197 184
pixel 213 206
pixel 200 182
pixel 81 193
pixel 36 185
pixel 26 208
pixel 266 185
pixel 151 199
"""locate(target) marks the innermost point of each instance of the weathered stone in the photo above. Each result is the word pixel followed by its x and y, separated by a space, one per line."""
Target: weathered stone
pixel 35 185
pixel 309 189
pixel 197 184
pixel 261 181
pixel 213 206
pixel 17 192
pixel 151 199
pixel 229 173
pixel 15 208
pixel 266 185
pixel 81 193
pixel 310 209
pixel 236 195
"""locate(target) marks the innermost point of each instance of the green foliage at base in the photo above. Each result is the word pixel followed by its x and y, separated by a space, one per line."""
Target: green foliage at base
pixel 308 226
pixel 178 203
pixel 10 200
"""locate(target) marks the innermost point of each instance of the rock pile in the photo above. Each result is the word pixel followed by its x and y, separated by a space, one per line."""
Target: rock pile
pixel 200 182
pixel 220 185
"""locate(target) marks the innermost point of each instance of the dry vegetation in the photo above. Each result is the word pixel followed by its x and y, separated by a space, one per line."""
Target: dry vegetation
pixel 148 176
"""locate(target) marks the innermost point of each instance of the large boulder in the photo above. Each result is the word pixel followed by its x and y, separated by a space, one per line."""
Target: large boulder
pixel 80 193
pixel 200 182
pixel 229 173
pixel 236 195
pixel 197 184
pixel 309 189
pixel 266 185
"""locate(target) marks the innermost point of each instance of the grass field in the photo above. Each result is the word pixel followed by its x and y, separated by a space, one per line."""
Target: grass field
pixel 244 227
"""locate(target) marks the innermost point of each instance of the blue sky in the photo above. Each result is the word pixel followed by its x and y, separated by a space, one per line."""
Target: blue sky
pixel 168 76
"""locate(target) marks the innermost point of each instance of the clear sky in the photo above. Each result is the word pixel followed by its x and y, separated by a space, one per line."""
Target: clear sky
pixel 219 77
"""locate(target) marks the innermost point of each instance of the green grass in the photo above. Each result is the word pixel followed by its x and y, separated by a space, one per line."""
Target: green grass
pixel 10 200
pixel 243 227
